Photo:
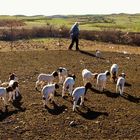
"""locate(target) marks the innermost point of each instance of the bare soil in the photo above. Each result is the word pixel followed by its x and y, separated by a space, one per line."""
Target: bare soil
pixel 105 115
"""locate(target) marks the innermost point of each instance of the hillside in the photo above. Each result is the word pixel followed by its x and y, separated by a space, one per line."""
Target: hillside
pixel 123 22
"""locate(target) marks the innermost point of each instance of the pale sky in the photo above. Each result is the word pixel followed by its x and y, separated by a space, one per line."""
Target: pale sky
pixel 68 7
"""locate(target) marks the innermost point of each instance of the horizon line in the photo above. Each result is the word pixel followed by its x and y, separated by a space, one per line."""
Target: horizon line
pixel 67 14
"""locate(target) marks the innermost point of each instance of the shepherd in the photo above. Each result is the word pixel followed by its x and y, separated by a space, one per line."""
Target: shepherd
pixel 74 34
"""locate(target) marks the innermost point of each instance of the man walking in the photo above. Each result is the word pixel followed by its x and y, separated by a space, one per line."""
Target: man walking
pixel 74 34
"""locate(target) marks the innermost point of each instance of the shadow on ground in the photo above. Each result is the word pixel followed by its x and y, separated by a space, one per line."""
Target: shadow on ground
pixel 18 108
pixel 131 98
pixel 106 92
pixel 90 54
pixel 91 115
pixel 56 109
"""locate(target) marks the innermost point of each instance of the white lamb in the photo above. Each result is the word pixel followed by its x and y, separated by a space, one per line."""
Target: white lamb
pixel 114 71
pixel 43 78
pixel 98 54
pixel 120 83
pixel 48 92
pixel 62 73
pixel 68 85
pixel 3 93
pixel 101 80
pixel 88 75
pixel 78 93
pixel 14 84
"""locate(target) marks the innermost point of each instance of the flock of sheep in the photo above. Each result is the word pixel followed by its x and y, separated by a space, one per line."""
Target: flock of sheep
pixel 46 81
pixel 48 87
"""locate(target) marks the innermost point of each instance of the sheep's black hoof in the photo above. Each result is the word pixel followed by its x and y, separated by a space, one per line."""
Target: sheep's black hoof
pixel 43 98
pixel 6 108
pixel 64 97
pixel 45 106
pixel 121 94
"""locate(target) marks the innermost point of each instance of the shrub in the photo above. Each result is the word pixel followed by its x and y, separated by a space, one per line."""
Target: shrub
pixel 113 36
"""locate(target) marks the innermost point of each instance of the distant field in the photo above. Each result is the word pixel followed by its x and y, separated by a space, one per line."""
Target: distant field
pixel 123 22
pixel 62 44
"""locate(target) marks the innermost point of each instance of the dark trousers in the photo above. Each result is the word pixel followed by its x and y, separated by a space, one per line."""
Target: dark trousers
pixel 74 40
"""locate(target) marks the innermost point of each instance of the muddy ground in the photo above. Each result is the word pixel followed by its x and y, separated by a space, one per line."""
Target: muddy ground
pixel 104 115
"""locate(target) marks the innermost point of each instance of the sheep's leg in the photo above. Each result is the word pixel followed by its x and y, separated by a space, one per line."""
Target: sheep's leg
pixel 85 81
pixel 37 83
pixel 64 78
pixel 70 89
pixel 10 96
pixel 98 85
pixel 42 84
pixel 44 101
pixel 112 77
pixel 60 79
pixel 116 88
pixel 101 85
pixel 5 100
pixel 82 100
pixel 52 97
pixel 63 91
pixel 14 94
pixel 75 100
pixel 121 90
pixel 104 85
pixel 17 91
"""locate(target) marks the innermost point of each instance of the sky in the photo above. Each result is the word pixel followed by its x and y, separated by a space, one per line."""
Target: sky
pixel 68 7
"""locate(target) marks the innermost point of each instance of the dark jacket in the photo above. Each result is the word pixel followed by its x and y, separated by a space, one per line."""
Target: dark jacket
pixel 74 31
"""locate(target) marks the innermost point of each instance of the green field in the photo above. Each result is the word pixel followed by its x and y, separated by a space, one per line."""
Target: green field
pixel 123 22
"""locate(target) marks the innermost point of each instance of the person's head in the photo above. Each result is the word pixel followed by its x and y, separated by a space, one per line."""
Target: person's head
pixel 77 23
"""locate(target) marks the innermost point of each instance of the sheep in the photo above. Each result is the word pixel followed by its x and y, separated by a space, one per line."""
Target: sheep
pixel 48 92
pixel 42 78
pixel 68 85
pixel 114 71
pixel 3 92
pixel 87 75
pixel 120 83
pixel 101 80
pixel 15 92
pixel 78 93
pixel 14 84
pixel 62 73
pixel 98 54
pixel 12 76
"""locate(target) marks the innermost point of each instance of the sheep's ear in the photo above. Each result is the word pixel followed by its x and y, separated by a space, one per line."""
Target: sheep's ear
pixel 74 77
pixel 124 75
pixel 60 69
pixel 88 85
pixel 108 73
pixel 56 86
pixel 96 74
pixel 55 73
